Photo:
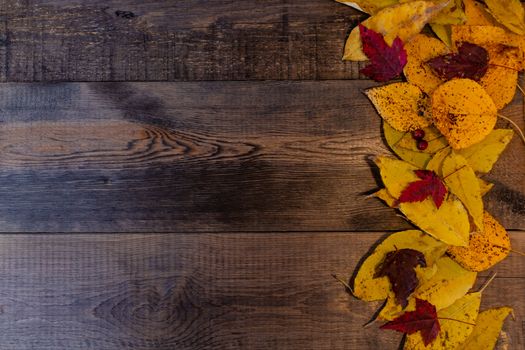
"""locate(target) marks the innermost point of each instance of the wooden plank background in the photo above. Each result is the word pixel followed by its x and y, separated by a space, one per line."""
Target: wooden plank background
pixel 188 174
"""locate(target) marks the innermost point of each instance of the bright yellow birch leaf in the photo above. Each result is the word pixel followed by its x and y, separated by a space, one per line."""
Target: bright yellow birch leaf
pixel 443 32
pixel 463 112
pixel 456 322
pixel 463 182
pixel 419 50
pixel 510 13
pixel 482 156
pixel 450 223
pixel 488 327
pixel 402 105
pixel 368 6
pixel 485 249
pixel 436 141
pixel 401 20
pixel 392 137
pixel 369 288
pixel 477 14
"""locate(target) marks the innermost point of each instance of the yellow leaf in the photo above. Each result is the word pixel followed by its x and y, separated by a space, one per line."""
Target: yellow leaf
pixel 449 223
pixel 484 186
pixel 487 329
pixel 386 197
pixel 500 83
pixel 462 181
pixel 436 141
pixel 436 163
pixel 369 6
pixel 419 50
pixel 482 156
pixel 392 137
pixel 477 15
pixel 401 20
pixel 452 13
pixel 485 248
pixel 368 288
pixel 456 325
pixel 402 105
pixel 510 13
pixel 443 32
pixel 450 283
pixel 463 112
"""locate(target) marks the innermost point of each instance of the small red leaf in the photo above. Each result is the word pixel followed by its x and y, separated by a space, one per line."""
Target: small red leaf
pixel 424 319
pixel 471 61
pixel 430 185
pixel 387 62
pixel 399 266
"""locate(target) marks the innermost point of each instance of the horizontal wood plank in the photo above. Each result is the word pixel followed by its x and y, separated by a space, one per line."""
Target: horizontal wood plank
pixel 210 291
pixel 215 156
pixel 159 40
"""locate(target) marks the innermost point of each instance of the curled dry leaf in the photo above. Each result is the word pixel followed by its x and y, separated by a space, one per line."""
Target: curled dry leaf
pixel 463 112
pixel 414 157
pixel 456 323
pixel 399 266
pixel 402 20
pixel 386 62
pixel 419 50
pixel 462 181
pixel 487 329
pixel 402 105
pixel 486 248
pixel 510 13
pixel 423 319
pixel 368 287
pixel 482 156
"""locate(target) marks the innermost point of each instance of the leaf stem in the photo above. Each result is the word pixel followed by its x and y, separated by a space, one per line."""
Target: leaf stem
pixel 521 89
pixel 514 125
pixel 346 285
pixel 487 283
pixel 453 319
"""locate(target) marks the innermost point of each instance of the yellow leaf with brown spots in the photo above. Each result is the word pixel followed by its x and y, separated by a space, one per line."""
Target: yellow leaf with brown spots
pixel 402 105
pixel 463 112
pixel 477 14
pixel 462 181
pixel 500 83
pixel 488 327
pixel 456 323
pixel 419 50
pixel 510 13
pixel 401 20
pixel 486 248
pixel 368 287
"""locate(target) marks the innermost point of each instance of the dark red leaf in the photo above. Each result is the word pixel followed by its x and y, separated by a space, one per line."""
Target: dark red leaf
pixel 424 319
pixel 429 185
pixel 471 61
pixel 399 266
pixel 387 62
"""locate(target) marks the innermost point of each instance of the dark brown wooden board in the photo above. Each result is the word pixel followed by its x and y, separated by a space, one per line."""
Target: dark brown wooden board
pixel 209 291
pixel 214 156
pixel 166 40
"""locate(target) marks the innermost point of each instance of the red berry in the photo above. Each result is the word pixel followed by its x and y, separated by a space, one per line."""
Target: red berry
pixel 422 145
pixel 418 134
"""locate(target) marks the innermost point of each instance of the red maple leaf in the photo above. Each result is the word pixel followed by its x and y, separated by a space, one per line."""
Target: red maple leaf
pixel 387 62
pixel 471 61
pixel 399 267
pixel 429 185
pixel 424 319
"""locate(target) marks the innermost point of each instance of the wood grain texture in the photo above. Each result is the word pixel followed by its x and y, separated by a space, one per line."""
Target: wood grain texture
pixel 215 156
pixel 210 291
pixel 159 40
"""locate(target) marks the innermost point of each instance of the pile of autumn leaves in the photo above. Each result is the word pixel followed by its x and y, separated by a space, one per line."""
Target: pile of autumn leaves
pixel 441 124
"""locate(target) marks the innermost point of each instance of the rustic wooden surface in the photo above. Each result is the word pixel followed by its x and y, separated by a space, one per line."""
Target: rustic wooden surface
pixel 188 174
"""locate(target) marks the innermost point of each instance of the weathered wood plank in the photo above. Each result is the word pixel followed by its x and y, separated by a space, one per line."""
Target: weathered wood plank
pixel 210 291
pixel 215 156
pixel 155 40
